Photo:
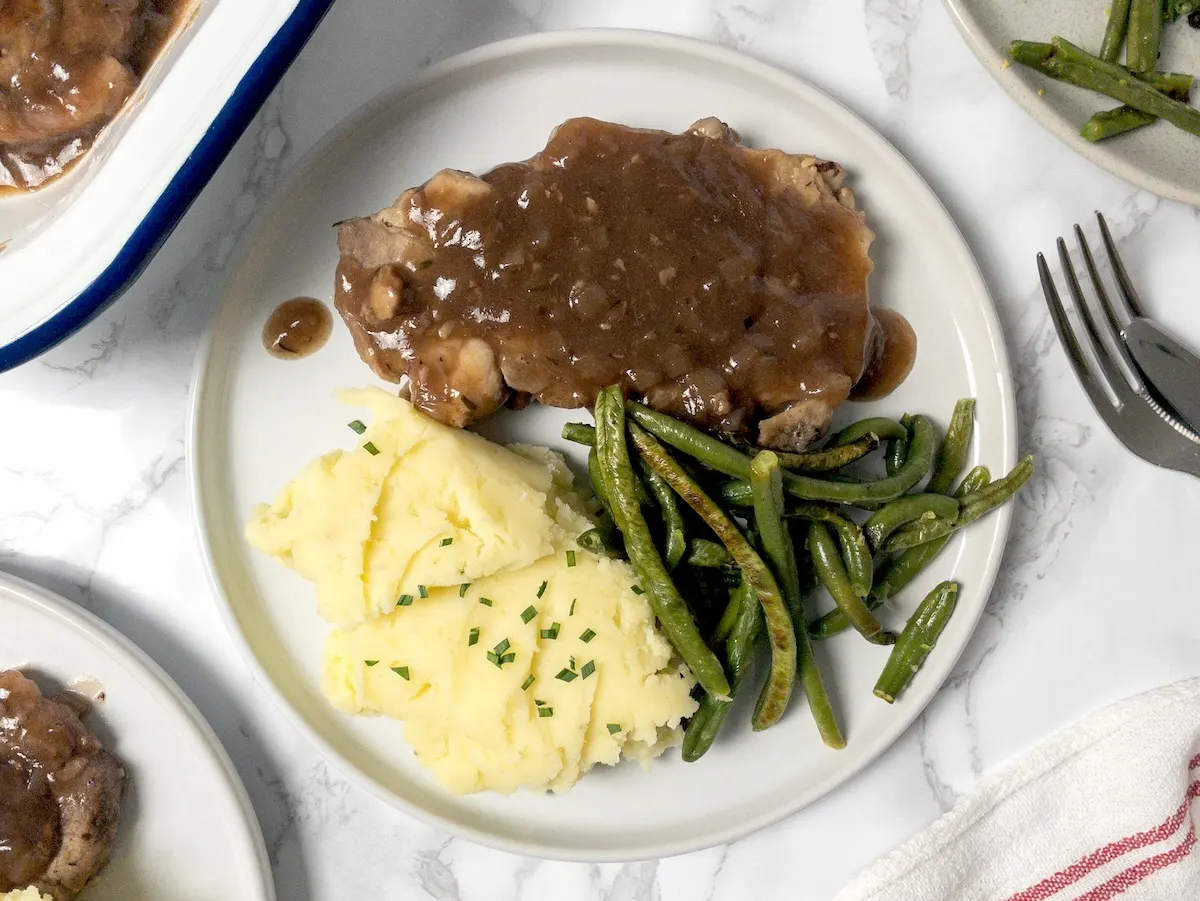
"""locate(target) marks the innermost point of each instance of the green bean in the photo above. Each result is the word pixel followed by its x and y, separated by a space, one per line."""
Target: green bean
pixel 1113 122
pixel 708 554
pixel 880 426
pixel 729 460
pixel 1064 61
pixel 833 575
pixel 897 448
pixel 856 555
pixel 916 641
pixel 767 481
pixel 904 510
pixel 735 493
pixel 1144 35
pixel 952 456
pixel 1114 33
pixel 675 538
pixel 579 433
pixel 902 568
pixel 600 540
pixel 616 471
pixel 774 699
pixel 706 722
pixel 830 458
pixel 971 507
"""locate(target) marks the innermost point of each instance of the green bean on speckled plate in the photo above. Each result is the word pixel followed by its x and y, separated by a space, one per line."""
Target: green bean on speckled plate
pixel 1159 157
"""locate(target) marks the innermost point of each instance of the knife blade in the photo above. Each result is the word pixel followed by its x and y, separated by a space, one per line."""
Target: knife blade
pixel 1171 368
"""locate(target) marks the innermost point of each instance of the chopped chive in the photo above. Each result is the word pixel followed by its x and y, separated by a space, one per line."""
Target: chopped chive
pixel 570 558
pixel 588 668
pixel 613 728
pixel 506 658
pixel 636 589
pixel 473 637
pixel 462 589
pixel 423 591
pixel 370 662
pixel 528 681
pixel 552 632
pixel 357 426
pixel 571 612
pixel 487 602
pixel 529 613
pixel 572 663
pixel 545 711
pixel 566 675
pixel 539 703
pixel 371 449
pixel 493 657
pixel 405 600
pixel 446 542
pixel 502 646
pixel 401 671
pixel 587 636
pixel 541 589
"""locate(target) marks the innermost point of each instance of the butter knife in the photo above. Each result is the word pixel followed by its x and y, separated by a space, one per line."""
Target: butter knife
pixel 1171 368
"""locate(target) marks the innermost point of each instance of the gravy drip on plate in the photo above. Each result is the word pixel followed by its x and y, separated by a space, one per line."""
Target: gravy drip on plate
pixel 297 328
pixel 720 283
pixel 66 68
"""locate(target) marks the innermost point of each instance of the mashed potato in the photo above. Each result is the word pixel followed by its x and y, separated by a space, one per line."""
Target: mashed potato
pixel 465 608
pixel 25 894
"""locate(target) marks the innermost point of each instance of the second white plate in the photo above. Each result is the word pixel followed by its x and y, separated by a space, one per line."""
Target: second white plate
pixel 256 420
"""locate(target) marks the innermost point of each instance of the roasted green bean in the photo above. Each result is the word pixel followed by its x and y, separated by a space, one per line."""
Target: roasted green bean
pixel 901 569
pixel 708 554
pixel 778 689
pixel 952 456
pixel 1114 32
pixel 880 426
pixel 767 483
pixel 856 555
pixel 1144 34
pixel 971 507
pixel 907 509
pixel 833 576
pixel 706 722
pixel 830 458
pixel 916 641
pixel 617 476
pixel 674 536
pixel 579 433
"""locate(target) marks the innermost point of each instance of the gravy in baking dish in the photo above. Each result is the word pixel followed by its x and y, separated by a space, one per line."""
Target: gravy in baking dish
pixel 66 69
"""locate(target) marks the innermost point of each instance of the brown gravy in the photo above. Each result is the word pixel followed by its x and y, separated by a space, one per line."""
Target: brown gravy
pixel 66 69
pixel 29 823
pixel 297 328
pixel 891 360
pixel 718 282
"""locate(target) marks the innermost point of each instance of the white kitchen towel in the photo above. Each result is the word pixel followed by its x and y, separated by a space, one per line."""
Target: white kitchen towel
pixel 1102 810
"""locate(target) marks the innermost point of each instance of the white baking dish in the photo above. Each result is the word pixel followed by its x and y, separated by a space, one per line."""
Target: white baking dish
pixel 70 249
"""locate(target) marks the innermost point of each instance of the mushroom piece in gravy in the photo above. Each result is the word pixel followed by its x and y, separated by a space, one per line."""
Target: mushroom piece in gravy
pixel 720 283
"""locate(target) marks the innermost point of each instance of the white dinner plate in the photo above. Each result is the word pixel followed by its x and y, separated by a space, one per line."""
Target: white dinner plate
pixel 187 830
pixel 1160 158
pixel 257 420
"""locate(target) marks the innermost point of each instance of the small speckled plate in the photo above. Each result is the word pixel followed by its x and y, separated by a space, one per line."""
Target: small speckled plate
pixel 1160 158
pixel 257 420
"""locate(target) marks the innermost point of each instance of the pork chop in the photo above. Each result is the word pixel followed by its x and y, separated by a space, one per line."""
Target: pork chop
pixel 723 284
pixel 60 792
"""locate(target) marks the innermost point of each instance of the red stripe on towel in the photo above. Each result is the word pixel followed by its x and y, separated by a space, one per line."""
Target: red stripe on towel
pixel 1131 877
pixel 1052 885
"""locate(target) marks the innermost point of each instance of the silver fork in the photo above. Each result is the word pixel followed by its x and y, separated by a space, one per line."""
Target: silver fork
pixel 1116 386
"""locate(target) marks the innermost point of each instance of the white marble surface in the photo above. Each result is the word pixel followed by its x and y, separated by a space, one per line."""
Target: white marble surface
pixel 93 501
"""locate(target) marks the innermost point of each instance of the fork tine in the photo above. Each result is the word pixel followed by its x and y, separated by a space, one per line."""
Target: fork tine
pixel 1066 336
pixel 1116 332
pixel 1133 305
pixel 1116 381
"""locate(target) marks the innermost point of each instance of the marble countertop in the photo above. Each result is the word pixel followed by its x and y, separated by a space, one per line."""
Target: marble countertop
pixel 95 505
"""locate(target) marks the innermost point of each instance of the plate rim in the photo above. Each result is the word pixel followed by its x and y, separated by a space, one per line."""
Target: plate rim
pixel 1045 116
pixel 534 44
pixel 124 652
